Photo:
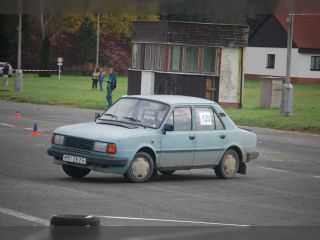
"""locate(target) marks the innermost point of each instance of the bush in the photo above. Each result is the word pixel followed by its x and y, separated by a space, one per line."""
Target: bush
pixel 80 70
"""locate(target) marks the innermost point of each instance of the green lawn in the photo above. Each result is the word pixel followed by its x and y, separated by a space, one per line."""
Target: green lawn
pixel 306 110
pixel 76 91
pixel 69 90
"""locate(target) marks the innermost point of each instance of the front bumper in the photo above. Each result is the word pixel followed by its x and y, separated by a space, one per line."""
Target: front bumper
pixel 252 155
pixel 92 160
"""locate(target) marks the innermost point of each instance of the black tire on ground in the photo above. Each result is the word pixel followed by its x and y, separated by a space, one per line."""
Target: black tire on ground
pixel 228 165
pixel 75 172
pixel 74 220
pixel 141 168
pixel 168 172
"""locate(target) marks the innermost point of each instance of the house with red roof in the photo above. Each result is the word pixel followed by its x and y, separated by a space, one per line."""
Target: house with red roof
pixel 266 53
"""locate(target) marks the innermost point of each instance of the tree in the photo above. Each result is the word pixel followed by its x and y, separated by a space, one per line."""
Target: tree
pixel 8 38
pixel 45 58
pixel 86 46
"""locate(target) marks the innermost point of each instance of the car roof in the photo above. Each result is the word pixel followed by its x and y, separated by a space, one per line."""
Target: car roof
pixel 173 99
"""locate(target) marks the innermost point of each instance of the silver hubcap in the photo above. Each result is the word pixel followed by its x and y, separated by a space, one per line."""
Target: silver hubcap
pixel 230 164
pixel 140 168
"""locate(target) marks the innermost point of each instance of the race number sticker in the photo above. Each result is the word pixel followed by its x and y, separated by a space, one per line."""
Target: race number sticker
pixel 205 118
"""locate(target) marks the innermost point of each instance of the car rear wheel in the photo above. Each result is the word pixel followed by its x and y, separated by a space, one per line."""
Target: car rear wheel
pixel 75 172
pixel 228 165
pixel 141 168
pixel 168 172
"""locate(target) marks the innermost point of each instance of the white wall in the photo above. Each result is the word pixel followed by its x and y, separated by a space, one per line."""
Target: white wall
pixel 147 83
pixel 256 61
pixel 230 75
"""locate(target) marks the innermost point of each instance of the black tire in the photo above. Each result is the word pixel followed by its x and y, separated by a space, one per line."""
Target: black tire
pixel 75 172
pixel 141 168
pixel 168 172
pixel 74 220
pixel 228 165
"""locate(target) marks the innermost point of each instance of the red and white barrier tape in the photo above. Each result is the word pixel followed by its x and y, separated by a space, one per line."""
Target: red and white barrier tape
pixel 35 70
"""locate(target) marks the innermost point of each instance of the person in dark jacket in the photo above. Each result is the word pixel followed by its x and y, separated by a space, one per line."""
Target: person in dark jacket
pixel 5 75
pixel 111 85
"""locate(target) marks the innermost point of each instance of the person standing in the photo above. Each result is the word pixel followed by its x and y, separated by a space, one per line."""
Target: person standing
pixel 100 78
pixel 5 75
pixel 111 85
pixel 95 76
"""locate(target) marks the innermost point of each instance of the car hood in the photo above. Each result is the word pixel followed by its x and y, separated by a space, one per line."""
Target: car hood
pixel 101 132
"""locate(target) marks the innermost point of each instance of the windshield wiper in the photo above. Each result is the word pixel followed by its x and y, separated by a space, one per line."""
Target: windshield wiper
pixel 137 121
pixel 132 119
pixel 110 114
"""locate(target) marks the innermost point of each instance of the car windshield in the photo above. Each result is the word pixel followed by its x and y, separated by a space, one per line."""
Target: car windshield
pixel 137 111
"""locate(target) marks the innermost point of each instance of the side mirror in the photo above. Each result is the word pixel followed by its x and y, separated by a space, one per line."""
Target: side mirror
pixel 167 128
pixel 96 116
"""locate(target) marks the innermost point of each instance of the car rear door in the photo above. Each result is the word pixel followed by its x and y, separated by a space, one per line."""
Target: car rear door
pixel 210 135
pixel 178 145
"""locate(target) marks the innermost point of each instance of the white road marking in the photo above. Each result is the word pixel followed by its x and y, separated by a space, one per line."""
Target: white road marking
pixel 175 221
pixel 273 169
pixel 24 216
pixel 316 176
pixel 7 125
pixel 276 160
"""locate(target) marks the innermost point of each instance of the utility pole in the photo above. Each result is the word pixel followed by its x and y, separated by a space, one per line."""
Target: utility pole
pixel 19 77
pixel 286 108
pixel 98 40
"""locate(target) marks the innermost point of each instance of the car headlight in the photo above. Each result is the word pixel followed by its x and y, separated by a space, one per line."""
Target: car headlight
pixel 100 146
pixel 58 139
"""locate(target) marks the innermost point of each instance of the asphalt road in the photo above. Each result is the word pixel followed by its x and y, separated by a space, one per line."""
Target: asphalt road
pixel 281 188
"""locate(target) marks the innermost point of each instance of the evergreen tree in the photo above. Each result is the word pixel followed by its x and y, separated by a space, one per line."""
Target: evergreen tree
pixel 45 58
pixel 87 41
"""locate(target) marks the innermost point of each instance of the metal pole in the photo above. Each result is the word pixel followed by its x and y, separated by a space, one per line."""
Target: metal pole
pixel 59 72
pixel 19 79
pixel 289 47
pixel 98 40
pixel 287 88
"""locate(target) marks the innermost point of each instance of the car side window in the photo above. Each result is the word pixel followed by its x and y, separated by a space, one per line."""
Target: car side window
pixel 207 119
pixel 181 119
pixel 218 123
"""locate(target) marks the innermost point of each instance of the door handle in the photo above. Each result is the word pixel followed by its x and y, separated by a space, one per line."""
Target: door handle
pixel 222 136
pixel 192 137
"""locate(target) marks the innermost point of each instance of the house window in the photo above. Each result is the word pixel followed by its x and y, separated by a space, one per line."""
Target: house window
pixel 209 60
pixel 270 60
pixel 315 63
pixel 190 59
pixel 149 56
pixel 137 52
pixel 160 57
pixel 175 58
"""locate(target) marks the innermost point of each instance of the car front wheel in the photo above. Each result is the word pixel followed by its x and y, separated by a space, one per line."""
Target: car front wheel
pixel 141 168
pixel 75 172
pixel 228 165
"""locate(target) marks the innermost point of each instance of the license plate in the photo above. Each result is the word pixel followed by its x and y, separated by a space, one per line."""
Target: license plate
pixel 74 159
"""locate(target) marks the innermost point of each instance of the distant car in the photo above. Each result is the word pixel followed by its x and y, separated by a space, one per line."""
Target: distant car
pixel 2 64
pixel 141 135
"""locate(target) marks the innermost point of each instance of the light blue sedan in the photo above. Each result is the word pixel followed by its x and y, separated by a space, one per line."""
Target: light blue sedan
pixel 140 136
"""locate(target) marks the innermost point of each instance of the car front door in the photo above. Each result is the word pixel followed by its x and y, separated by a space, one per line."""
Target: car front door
pixel 210 137
pixel 178 145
